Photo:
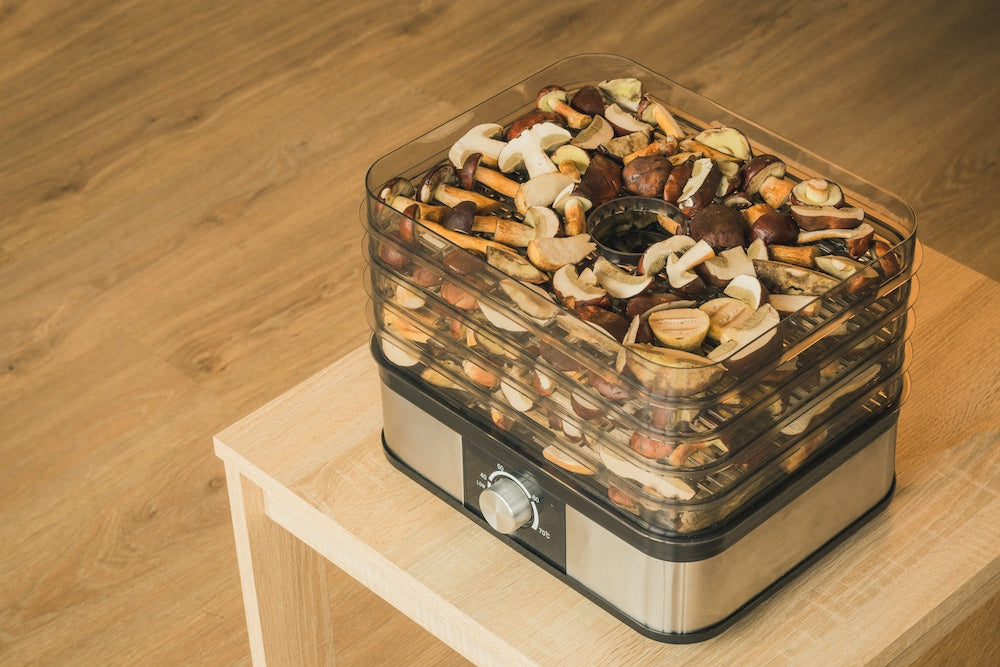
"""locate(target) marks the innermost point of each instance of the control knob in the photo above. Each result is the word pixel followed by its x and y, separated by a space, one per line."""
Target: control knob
pixel 506 505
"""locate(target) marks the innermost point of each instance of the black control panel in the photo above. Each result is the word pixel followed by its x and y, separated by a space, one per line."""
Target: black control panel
pixel 545 532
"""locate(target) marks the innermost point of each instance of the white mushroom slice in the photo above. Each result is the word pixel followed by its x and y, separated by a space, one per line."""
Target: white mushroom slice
pixel 748 289
pixel 625 121
pixel 799 425
pixel 498 319
pixel 517 399
pixel 627 92
pixel 726 140
pixel 670 372
pixel 398 355
pixel 699 172
pixel 654 259
pixel 596 134
pixel 529 148
pixel 479 139
pixel 407 298
pixel 544 220
pixel 618 283
pixel 551 254
pixel 556 455
pixel 541 190
pixel 568 286
pixel 514 265
pixel 680 328
pixel 668 487
pixel 729 264
pixel 679 271
pixel 786 304
pixel 535 302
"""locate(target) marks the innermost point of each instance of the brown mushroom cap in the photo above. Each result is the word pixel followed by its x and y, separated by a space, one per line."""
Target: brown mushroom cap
pixel 646 176
pixel 603 179
pixel 589 100
pixel 678 177
pixel 533 117
pixel 396 187
pixel 442 174
pixel 460 217
pixel 467 174
pixel 775 227
pixel 756 171
pixel 718 225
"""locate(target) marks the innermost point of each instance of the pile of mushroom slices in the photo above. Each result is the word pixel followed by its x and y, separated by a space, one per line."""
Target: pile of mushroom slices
pixel 753 245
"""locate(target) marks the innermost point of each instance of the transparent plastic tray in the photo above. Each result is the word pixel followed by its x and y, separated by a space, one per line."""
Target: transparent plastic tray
pixel 597 464
pixel 522 339
pixel 694 439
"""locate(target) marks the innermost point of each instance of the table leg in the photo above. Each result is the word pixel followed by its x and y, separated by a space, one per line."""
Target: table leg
pixel 284 584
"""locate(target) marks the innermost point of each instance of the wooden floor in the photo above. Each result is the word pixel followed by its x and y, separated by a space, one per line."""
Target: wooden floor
pixel 179 243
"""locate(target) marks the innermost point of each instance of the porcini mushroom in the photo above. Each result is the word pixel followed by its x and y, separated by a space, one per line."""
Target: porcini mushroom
pixel 653 110
pixel 472 172
pixel 528 150
pixel 626 92
pixel 573 204
pixel 441 184
pixel 553 98
pixel 479 139
pixel 624 122
pixel 726 140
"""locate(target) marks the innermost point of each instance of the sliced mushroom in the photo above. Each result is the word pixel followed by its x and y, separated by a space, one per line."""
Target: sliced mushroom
pixel 440 183
pixel 528 150
pixel 759 169
pixel 817 192
pixel 791 279
pixel 624 122
pixel 653 110
pixel 618 283
pixel 626 92
pixel 514 265
pixel 654 258
pixel 569 287
pixel 727 140
pixel 553 98
pixel 669 372
pixel 480 139
pixel 811 218
pixel 551 254
pixel 699 191
pixel 542 190
pixel 597 132
pixel 472 172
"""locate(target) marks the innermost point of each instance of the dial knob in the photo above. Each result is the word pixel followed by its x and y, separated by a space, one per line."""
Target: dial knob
pixel 505 505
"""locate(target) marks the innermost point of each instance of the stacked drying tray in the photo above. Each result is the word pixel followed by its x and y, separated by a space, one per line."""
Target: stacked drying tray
pixel 673 439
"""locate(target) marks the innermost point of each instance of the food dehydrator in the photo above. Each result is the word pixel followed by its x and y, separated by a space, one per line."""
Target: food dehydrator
pixel 675 482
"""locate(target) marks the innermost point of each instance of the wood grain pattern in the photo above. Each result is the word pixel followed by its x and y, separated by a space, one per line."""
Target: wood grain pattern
pixel 179 184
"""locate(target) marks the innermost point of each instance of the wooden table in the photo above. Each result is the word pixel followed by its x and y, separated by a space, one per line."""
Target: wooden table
pixel 310 465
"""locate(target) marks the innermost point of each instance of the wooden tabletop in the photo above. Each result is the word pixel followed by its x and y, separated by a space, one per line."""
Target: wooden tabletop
pixel 888 593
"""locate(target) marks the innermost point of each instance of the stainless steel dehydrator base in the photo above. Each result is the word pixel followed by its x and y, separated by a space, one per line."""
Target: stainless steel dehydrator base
pixel 699 591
